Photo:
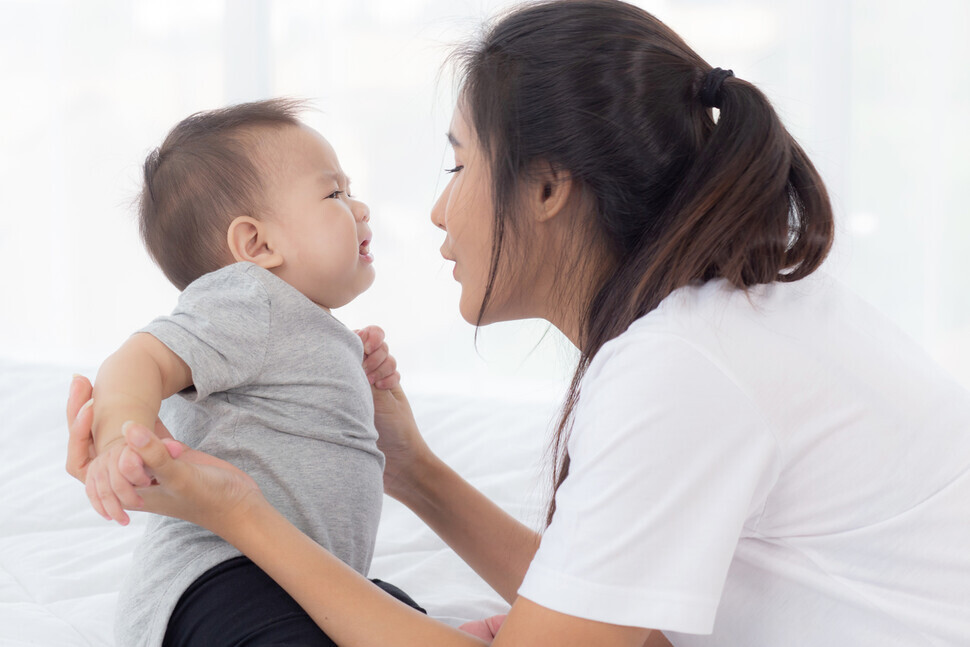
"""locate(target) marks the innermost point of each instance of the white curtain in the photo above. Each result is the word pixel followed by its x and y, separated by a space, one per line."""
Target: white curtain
pixel 876 91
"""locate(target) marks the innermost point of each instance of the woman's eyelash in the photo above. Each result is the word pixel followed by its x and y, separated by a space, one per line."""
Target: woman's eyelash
pixel 454 170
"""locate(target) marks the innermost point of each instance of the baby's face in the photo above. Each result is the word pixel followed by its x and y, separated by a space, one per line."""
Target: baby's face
pixel 321 232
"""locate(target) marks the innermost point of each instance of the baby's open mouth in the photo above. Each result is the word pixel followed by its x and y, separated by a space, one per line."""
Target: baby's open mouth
pixel 364 248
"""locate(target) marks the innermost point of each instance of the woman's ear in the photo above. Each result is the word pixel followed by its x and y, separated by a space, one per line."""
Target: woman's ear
pixel 248 240
pixel 551 190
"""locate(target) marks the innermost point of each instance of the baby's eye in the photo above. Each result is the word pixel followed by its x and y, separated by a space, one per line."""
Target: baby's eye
pixel 455 170
pixel 335 194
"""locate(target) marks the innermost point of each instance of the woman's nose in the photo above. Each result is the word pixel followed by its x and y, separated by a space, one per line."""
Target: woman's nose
pixel 438 212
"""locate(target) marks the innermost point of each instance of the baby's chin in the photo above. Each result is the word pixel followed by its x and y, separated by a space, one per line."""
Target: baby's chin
pixel 364 282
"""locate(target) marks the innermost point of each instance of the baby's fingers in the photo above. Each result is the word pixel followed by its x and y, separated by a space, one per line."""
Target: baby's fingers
pixel 372 337
pixel 387 383
pixel 124 490
pixel 376 358
pixel 133 469
pixel 109 500
pixel 92 491
pixel 386 369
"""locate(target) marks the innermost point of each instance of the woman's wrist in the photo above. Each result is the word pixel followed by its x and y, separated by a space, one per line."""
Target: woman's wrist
pixel 418 482
pixel 251 524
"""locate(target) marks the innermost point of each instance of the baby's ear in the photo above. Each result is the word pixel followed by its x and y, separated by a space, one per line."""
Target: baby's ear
pixel 249 241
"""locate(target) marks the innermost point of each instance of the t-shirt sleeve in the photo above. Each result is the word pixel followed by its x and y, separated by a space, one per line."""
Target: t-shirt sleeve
pixel 220 328
pixel 668 459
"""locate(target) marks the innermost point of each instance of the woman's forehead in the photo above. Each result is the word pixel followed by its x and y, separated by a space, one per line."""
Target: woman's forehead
pixel 460 133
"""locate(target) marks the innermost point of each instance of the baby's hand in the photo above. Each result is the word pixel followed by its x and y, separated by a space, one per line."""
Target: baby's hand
pixel 399 438
pixel 380 367
pixel 111 479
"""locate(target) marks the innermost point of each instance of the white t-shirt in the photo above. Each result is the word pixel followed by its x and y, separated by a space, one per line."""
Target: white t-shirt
pixel 780 468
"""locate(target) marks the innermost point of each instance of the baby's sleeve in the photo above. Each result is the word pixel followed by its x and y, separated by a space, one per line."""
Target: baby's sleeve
pixel 220 328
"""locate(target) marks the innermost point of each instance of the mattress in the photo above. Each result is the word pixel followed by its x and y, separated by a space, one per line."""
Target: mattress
pixel 61 565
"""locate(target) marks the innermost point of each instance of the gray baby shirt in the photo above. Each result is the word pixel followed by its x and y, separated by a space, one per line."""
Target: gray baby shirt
pixel 279 391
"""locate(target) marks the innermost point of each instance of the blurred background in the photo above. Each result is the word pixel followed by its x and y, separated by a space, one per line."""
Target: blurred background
pixel 877 92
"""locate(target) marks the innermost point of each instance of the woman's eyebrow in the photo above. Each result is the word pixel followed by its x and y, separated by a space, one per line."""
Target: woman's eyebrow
pixel 452 140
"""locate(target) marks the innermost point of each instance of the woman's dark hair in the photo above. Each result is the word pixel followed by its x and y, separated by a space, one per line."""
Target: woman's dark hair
pixel 204 174
pixel 606 92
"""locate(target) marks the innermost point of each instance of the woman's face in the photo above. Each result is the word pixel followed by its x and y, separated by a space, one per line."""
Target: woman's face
pixel 527 276
pixel 464 213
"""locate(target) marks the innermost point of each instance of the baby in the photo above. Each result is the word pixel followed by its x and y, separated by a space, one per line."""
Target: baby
pixel 247 211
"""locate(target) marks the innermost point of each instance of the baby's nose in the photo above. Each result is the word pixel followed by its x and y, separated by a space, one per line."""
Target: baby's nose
pixel 362 212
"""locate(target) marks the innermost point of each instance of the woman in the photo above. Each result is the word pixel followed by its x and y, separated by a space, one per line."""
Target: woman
pixel 748 455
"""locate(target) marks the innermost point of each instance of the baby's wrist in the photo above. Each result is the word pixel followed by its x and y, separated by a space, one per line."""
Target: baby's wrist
pixel 108 426
pixel 108 443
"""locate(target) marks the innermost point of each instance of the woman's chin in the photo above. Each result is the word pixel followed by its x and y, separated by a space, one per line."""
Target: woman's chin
pixel 469 310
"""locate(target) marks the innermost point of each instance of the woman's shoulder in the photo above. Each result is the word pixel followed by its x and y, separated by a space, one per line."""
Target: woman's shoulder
pixel 759 337
pixel 716 317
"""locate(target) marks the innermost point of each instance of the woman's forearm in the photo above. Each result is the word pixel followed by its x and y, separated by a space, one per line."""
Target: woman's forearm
pixel 346 605
pixel 497 546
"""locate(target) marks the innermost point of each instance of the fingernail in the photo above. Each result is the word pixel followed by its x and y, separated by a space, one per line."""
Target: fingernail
pixel 84 407
pixel 135 434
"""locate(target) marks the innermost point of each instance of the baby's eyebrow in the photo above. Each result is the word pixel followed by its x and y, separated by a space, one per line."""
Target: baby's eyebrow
pixel 333 176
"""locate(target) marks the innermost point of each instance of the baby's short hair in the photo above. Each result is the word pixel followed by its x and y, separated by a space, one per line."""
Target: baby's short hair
pixel 203 175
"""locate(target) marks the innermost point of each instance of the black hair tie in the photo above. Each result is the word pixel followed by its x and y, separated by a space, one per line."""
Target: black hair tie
pixel 711 88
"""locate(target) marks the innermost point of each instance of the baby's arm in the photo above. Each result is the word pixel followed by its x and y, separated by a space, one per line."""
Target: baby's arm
pixel 130 385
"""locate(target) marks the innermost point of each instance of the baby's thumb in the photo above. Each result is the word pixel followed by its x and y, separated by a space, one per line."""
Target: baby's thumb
pixel 152 450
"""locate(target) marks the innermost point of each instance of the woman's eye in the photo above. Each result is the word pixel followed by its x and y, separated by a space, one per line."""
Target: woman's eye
pixel 335 194
pixel 455 170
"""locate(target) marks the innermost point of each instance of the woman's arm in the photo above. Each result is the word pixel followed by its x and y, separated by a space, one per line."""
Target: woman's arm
pixel 492 542
pixel 212 493
pixel 497 546
pixel 500 549
pixel 349 608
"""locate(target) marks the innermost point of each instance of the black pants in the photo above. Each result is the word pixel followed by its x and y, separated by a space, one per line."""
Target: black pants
pixel 235 604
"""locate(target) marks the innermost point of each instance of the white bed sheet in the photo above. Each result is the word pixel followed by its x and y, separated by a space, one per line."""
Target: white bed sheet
pixel 61 565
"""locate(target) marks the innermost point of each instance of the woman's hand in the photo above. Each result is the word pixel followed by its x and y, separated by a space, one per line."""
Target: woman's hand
pixel 109 477
pixel 400 440
pixel 196 487
pixel 192 485
pixel 80 443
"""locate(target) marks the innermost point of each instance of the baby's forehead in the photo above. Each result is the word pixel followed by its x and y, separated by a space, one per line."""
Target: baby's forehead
pixel 286 151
